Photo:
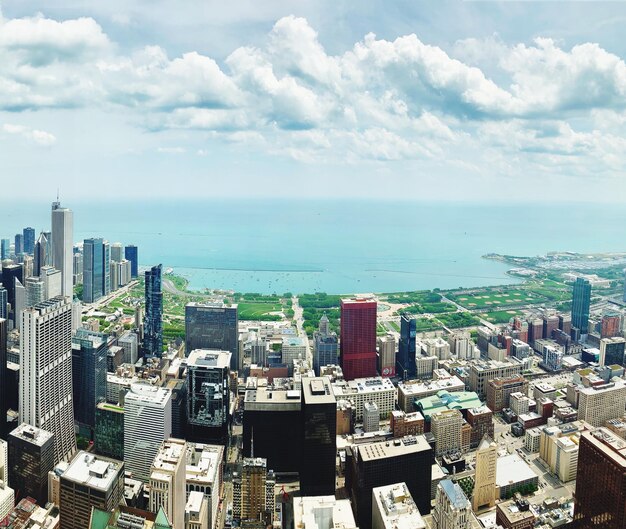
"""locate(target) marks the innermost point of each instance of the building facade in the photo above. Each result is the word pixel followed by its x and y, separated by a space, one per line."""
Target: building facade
pixel 153 320
pixel 358 338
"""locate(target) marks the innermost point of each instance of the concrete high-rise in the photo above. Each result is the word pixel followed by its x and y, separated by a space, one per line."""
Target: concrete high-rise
pixel 153 320
pixel 167 481
pixel 598 404
pixel 600 498
pixel 45 393
pixel 89 377
pixel 580 305
pixel 485 476
pixel 89 482
pixel 63 246
pixel 253 492
pixel 147 423
pixel 407 347
pixel 130 253
pixel 326 346
pixel 319 442
pixel 208 395
pixel 358 338
pixel 213 326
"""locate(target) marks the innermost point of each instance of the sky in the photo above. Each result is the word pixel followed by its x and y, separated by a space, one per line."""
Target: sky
pixel 393 99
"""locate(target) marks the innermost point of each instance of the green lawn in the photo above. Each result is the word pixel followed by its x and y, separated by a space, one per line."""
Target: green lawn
pixel 498 298
pixel 259 311
pixel 500 316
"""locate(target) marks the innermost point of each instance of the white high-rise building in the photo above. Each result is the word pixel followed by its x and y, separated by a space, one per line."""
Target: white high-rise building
pixel 371 417
pixel 4 462
pixel 167 481
pixel 147 423
pixel 63 246
pixel 45 396
pixel 52 282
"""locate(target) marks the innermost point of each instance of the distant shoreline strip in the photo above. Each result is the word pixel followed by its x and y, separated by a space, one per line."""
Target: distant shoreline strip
pixel 306 271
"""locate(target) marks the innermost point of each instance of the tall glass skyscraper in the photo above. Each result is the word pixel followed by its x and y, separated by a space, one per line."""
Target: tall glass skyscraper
pixel 29 240
pixel 130 253
pixel 89 379
pixel 580 305
pixel 406 347
pixel 5 248
pixel 212 326
pixel 93 270
pixel 19 244
pixel 153 320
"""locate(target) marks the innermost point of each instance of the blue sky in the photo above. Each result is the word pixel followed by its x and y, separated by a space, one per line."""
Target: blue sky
pixel 474 100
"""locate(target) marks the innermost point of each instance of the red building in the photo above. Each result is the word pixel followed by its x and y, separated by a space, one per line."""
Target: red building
pixel 358 338
pixel 610 326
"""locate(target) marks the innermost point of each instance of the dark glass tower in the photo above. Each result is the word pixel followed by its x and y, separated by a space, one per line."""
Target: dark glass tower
pixel 93 270
pixel 153 321
pixel 4 299
pixel 213 326
pixel 9 274
pixel 406 347
pixel 319 442
pixel 5 246
pixel 130 253
pixel 600 498
pixel 19 244
pixel 580 305
pixel 89 378
pixel 29 240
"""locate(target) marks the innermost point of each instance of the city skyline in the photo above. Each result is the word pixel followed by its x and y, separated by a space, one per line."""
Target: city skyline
pixel 449 101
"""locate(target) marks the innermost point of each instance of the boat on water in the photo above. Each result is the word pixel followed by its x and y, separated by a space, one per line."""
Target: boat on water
pixel 169 271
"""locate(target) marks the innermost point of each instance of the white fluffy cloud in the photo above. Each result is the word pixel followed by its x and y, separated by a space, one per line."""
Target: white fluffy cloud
pixel 380 100
pixel 40 137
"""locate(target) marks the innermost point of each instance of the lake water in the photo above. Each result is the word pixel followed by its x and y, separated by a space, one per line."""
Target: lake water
pixel 334 246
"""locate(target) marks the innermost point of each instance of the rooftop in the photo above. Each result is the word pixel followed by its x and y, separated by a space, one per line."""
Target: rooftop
pixel 455 494
pixel 395 448
pixel 209 358
pixel 318 390
pixel 511 469
pixel 363 385
pixel 397 508
pixel 32 434
pixel 311 512
pixel 146 394
pixel 96 472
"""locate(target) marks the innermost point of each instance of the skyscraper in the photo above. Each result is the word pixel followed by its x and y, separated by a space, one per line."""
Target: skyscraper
pixel 89 379
pixel 213 326
pixel 62 246
pixel 147 423
pixel 4 300
pixel 106 268
pixel 41 253
pixel 89 481
pixel 452 508
pixel 5 248
pixel 407 347
pixel 117 252
pixel 130 252
pixel 167 481
pixel 31 457
pixel 358 338
pixel 208 395
pixel 19 244
pixel 4 329
pixel 153 320
pixel 600 498
pixel 29 240
pixel 93 270
pixel 319 444
pixel 253 492
pixel 10 273
pixel 485 477
pixel 45 396
pixel 326 346
pixel 580 305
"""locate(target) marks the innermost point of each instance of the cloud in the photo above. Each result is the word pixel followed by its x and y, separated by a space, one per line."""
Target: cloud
pixel 39 137
pixel 379 100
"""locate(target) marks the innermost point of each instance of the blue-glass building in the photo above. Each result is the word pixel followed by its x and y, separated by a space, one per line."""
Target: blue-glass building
pixel 93 270
pixel 153 320
pixel 5 248
pixel 29 240
pixel 580 305
pixel 406 347
pixel 130 253
pixel 89 377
